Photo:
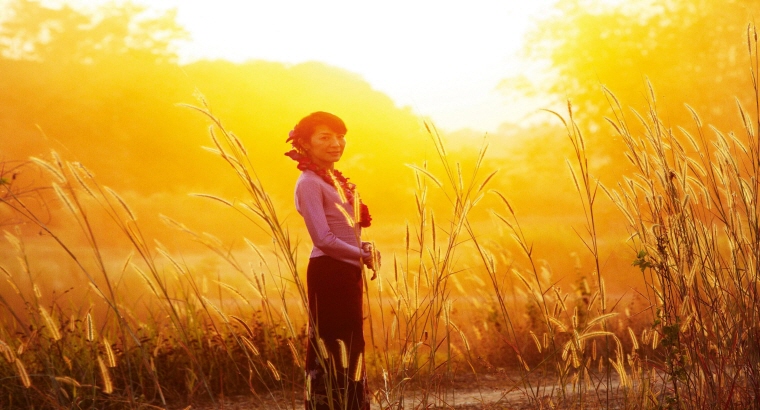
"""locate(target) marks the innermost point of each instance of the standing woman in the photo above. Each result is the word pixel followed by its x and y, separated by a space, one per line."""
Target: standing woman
pixel 335 373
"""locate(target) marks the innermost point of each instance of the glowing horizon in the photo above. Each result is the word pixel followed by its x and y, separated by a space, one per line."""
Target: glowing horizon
pixel 443 61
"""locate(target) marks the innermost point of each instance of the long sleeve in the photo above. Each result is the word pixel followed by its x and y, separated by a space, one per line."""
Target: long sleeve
pixel 312 197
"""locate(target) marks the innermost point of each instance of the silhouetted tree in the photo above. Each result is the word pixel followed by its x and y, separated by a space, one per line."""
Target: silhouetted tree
pixel 693 51
pixel 37 31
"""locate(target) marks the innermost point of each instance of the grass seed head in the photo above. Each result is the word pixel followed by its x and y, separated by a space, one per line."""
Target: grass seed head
pixel 274 371
pixel 535 340
pixel 50 168
pixel 574 354
pixel 359 368
pixel 13 286
pixel 525 365
pixel 68 380
pixel 655 339
pixel 215 308
pixel 291 329
pixel 343 354
pixel 464 340
pixel 7 352
pixel 633 339
pixel 90 328
pixel 575 318
pixel 122 203
pixel 293 351
pixel 22 374
pixel 245 325
pixel 322 349
pixel 249 344
pixel 110 356
pixel 51 325
pixel 106 376
pixel 308 387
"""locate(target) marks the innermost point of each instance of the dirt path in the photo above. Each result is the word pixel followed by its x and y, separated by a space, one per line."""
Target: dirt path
pixel 488 392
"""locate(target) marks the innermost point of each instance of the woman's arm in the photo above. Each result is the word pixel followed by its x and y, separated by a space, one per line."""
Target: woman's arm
pixel 310 205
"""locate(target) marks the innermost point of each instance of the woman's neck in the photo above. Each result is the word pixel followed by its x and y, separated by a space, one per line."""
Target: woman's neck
pixel 326 165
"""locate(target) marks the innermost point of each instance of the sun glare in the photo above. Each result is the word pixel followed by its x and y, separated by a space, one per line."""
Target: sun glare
pixel 443 60
pixel 156 234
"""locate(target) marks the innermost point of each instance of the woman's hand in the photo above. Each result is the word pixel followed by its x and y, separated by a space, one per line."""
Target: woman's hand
pixel 373 259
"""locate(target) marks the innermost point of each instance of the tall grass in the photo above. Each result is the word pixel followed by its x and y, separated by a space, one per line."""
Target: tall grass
pixel 692 209
pixel 195 347
pixel 195 340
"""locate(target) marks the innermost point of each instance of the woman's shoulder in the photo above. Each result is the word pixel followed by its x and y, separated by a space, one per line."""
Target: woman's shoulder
pixel 308 176
pixel 309 179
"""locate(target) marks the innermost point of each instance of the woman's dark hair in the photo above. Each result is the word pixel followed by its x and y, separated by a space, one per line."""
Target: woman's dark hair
pixel 305 128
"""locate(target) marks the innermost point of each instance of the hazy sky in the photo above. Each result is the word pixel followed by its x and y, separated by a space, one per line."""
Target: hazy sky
pixel 444 59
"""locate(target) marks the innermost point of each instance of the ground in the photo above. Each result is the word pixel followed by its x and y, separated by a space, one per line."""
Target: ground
pixel 467 392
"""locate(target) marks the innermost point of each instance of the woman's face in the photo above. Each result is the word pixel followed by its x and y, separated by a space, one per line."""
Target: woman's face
pixel 325 147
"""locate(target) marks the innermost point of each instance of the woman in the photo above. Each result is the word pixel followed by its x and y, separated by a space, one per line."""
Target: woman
pixel 324 197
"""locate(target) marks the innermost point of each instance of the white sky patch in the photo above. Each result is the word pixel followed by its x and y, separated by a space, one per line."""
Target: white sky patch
pixel 444 59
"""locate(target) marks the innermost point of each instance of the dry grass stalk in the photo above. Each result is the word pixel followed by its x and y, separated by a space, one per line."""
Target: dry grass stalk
pixel 122 203
pixel 665 206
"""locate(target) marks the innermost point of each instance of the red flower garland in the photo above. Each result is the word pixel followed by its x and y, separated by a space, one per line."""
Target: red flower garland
pixel 304 163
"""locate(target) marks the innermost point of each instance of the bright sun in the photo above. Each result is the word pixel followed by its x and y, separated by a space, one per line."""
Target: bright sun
pixel 444 60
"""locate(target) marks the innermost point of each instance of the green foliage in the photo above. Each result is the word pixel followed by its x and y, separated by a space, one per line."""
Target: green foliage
pixel 641 261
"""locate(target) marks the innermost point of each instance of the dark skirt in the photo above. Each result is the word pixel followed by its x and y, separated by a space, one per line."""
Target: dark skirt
pixel 335 372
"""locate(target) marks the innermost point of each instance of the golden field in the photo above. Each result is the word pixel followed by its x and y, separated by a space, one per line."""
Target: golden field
pixel 602 256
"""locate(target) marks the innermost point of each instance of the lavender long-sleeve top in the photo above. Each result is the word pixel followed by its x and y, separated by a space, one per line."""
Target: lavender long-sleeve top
pixel 318 202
